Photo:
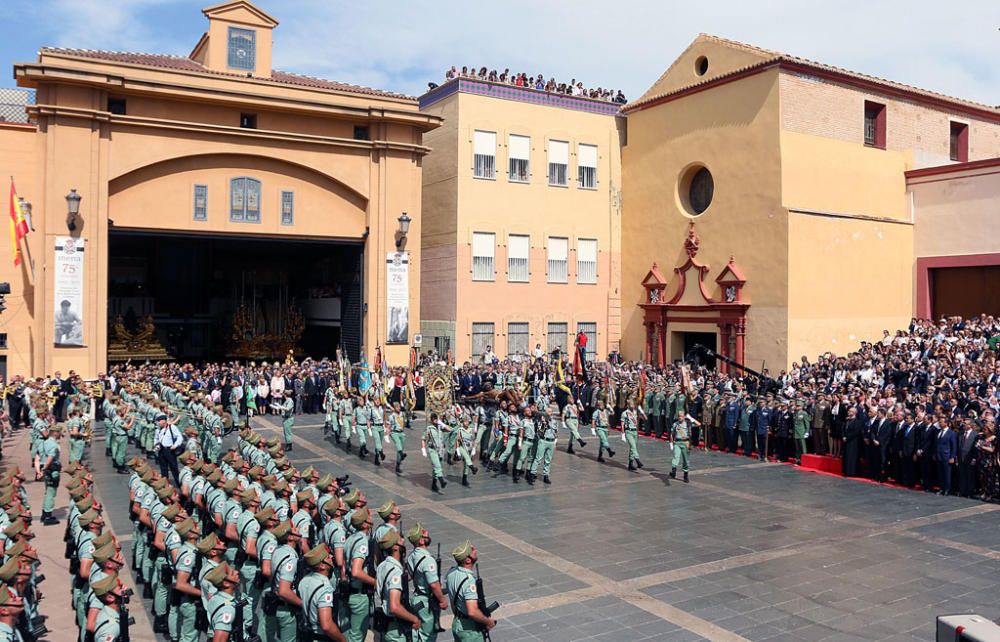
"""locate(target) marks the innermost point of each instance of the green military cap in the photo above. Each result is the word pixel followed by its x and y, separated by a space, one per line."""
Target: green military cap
pixel 462 551
pixel 268 481
pixel 255 471
pixel 229 457
pixel 146 475
pixel 213 476
pixel 389 539
pixel 102 539
pixel 77 493
pixel 324 481
pixel 15 549
pixel 218 574
pixel 415 533
pixel 159 483
pixel 282 529
pixel 14 512
pixel 85 503
pixel 57 429
pixel 196 465
pixel 105 586
pixel 6 496
pixel 263 515
pixel 9 570
pixel 360 516
pixel 352 497
pixel 104 553
pixel 87 518
pixel 5 594
pixel 207 543
pixel 273 441
pixel 281 462
pixel 304 496
pixel 230 485
pixel 248 496
pixel 309 471
pixel 317 555
pixel 74 483
pixel 281 486
pixel 386 509
pixel 331 506
pixel 135 462
pixel 186 457
pixel 253 439
pixel 184 527
pixel 291 473
pixel 16 528
pixel 72 467
pixel 172 511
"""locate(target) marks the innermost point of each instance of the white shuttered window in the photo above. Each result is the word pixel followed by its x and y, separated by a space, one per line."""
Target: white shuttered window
pixel 518 254
pixel 558 162
pixel 484 154
pixel 558 259
pixel 483 251
pixel 586 261
pixel 519 155
pixel 587 166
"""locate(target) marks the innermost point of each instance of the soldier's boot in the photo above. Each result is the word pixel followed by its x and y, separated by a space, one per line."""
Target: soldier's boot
pixel 443 482
pixel 514 476
pixel 336 438
pixel 402 456
pixel 434 485
pixel 378 460
pixel 399 466
pixel 363 452
pixel 530 478
pixel 673 473
pixel 545 478
pixel 582 443
pixel 503 469
pixel 474 469
pixel 48 519
pixel 107 451
pixel 449 459
pixel 611 453
pixel 638 463
pixel 347 445
pixel 600 454
pixel 685 477
pixel 631 464
pixel 569 449
pixel 147 591
pixel 465 480
pixel 288 447
pixel 382 454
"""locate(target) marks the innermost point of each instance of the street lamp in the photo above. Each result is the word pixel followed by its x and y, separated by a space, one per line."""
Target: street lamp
pixel 73 207
pixel 404 228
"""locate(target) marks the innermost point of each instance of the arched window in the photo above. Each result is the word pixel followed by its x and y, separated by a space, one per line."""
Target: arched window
pixel 244 200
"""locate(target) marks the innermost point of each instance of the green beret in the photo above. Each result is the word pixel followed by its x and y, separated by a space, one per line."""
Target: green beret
pixel 88 517
pixel 105 586
pixel 360 516
pixel 218 574
pixel 352 497
pixel 389 539
pixel 104 553
pixel 185 527
pixel 9 570
pixel 386 509
pixel 282 529
pixel 415 533
pixel 462 551
pixel 317 555
pixel 324 481
pixel 263 515
pixel 207 543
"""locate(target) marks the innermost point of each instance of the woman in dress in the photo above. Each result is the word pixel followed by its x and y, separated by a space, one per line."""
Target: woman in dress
pixel 263 394
pixel 987 462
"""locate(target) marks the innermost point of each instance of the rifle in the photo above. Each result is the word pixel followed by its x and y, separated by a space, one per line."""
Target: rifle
pixel 124 619
pixel 436 609
pixel 486 609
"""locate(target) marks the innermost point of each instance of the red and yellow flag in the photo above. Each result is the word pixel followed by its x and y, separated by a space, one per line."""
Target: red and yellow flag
pixel 18 224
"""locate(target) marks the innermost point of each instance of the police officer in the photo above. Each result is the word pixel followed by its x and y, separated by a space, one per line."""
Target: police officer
pixel 460 583
pixel 393 590
pixel 428 600
pixel 317 594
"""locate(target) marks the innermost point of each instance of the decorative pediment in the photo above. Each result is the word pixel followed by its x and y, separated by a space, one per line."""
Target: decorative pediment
pixel 655 283
pixel 731 274
pixel 241 11
pixel 691 246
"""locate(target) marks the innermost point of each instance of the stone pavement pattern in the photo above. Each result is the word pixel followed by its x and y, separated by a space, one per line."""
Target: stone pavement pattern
pixel 747 551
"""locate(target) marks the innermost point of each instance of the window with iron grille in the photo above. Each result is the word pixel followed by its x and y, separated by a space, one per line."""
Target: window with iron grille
pixel 287 208
pixel 874 124
pixel 517 338
pixel 482 338
pixel 586 261
pixel 590 329
pixel 959 142
pixel 483 253
pixel 201 202
pixel 518 157
pixel 242 48
pixel 556 336
pixel 244 200
pixel 558 260
pixel 558 162
pixel 587 166
pixel 518 256
pixel 484 154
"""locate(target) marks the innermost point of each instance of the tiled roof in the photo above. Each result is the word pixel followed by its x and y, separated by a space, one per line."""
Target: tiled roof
pixel 182 63
pixel 775 57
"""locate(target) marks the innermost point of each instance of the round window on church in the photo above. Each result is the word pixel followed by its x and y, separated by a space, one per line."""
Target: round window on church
pixel 696 189
pixel 701 65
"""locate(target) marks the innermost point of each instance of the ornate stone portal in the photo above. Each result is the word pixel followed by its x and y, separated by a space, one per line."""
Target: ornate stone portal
pixel 689 305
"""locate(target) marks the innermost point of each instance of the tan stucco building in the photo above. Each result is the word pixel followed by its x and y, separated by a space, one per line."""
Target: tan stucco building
pixel 214 188
pixel 521 234
pixel 793 174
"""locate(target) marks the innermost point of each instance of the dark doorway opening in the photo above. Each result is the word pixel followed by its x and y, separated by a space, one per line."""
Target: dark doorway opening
pixel 707 339
pixel 965 291
pixel 220 297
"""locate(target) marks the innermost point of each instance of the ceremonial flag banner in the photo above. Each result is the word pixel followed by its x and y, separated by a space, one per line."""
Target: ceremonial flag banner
pixel 18 224
pixel 68 291
pixel 397 294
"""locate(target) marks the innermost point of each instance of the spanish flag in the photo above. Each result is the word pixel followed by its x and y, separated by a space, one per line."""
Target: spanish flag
pixel 18 224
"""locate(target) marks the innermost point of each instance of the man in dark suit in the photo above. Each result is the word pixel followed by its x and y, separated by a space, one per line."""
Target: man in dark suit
pixel 967 452
pixel 854 429
pixel 926 451
pixel 309 390
pixel 908 438
pixel 946 448
pixel 878 430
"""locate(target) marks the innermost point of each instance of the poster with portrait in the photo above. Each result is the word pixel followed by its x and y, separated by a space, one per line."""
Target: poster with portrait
pixel 397 292
pixel 68 291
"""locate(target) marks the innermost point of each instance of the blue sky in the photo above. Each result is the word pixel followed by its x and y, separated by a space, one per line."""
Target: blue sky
pixel 400 45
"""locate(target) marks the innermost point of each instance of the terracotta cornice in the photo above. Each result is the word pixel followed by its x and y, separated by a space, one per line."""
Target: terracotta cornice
pixel 953 168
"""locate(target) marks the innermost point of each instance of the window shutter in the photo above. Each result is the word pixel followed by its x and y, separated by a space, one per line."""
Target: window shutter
pixel 519 147
pixel 588 155
pixel 483 244
pixel 484 143
pixel 559 152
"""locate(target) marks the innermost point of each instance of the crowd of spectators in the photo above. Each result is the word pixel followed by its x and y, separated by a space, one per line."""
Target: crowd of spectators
pixel 538 82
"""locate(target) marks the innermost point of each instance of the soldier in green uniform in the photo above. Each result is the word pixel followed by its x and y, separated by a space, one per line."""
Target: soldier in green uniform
pixel 221 607
pixel 601 420
pixel 331 422
pixel 109 591
pixel 708 416
pixel 184 609
pixel 528 442
pixel 680 442
pixel 118 426
pixel 548 431
pixel 11 609
pixel 431 445
pixel 376 413
pixel 346 419
pixel 428 599
pixel 571 422
pixel 287 419
pixel 745 436
pixel 465 446
pixel 282 626
pixel 362 584
pixel 317 594
pixel 77 436
pixel 392 589
pixel 362 415
pixel 397 432
pixel 630 430
pixel 800 429
pixel 460 582
pixel 51 466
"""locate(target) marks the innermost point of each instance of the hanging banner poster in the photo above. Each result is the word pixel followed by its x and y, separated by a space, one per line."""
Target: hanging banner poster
pixel 68 291
pixel 397 293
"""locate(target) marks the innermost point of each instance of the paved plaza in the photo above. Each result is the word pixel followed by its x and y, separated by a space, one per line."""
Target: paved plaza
pixel 746 551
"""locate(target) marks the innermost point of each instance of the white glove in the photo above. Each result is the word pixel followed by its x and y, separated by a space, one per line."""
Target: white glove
pixel 593 431
pixel 555 443
pixel 473 453
pixel 671 445
pixel 423 450
pixel 623 435
pixel 386 438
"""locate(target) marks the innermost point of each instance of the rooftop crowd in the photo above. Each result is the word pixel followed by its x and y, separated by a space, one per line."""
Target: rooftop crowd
pixel 528 81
